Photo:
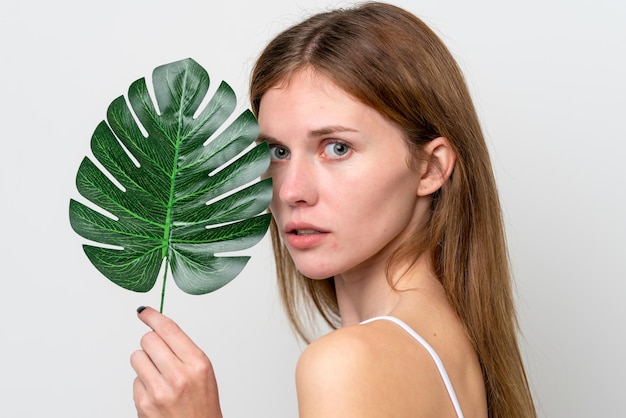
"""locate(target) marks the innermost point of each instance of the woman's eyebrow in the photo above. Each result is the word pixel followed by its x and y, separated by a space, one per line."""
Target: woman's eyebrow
pixel 327 130
pixel 316 133
pixel 264 138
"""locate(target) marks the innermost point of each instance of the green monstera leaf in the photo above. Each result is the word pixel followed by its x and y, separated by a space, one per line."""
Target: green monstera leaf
pixel 174 190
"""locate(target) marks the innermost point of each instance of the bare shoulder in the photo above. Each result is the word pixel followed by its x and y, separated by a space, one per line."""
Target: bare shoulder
pixel 345 350
pixel 368 370
pixel 336 373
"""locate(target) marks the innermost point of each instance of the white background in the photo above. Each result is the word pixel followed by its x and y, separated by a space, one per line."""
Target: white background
pixel 548 78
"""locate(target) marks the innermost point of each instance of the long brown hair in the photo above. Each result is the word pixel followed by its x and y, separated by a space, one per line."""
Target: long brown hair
pixel 390 60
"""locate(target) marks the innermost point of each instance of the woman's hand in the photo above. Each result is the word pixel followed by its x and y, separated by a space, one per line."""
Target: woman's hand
pixel 175 378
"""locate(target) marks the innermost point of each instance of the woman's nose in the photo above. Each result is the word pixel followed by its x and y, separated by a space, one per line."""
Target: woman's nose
pixel 297 183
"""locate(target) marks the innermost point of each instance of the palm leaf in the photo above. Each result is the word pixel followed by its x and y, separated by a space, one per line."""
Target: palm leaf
pixel 184 193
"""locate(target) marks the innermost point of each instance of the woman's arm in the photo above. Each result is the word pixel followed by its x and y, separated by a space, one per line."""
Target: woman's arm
pixel 175 378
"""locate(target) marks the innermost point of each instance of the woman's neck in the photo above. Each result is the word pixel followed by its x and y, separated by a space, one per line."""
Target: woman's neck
pixel 369 292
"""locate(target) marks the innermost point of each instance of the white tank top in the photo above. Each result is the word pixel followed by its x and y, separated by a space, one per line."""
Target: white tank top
pixel 433 354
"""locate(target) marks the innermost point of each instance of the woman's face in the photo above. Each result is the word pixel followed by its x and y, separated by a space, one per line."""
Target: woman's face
pixel 344 195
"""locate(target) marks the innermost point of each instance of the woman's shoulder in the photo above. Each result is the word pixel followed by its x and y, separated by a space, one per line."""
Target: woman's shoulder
pixel 368 370
pixel 346 349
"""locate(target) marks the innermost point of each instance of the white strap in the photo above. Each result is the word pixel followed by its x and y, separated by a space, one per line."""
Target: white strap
pixel 433 354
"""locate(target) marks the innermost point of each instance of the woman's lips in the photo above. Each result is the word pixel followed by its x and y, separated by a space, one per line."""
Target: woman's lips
pixel 305 231
pixel 302 237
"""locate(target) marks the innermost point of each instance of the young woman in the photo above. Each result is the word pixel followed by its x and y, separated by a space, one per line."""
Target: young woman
pixel 386 222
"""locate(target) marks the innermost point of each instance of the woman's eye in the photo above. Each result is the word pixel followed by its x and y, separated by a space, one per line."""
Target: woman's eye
pixel 336 149
pixel 278 152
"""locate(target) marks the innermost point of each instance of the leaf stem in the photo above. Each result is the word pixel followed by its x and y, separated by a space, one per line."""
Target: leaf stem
pixel 165 269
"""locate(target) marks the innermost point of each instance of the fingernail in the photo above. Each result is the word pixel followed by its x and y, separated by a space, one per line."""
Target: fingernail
pixel 140 309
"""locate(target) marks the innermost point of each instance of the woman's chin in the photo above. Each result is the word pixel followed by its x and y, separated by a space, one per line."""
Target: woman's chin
pixel 315 273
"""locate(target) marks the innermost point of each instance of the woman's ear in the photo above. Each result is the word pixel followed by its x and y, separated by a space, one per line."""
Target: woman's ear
pixel 439 159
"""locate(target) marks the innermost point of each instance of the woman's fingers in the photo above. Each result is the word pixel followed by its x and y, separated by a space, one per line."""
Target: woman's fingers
pixel 170 333
pixel 149 386
pixel 143 401
pixel 165 361
pixel 174 377
pixel 146 370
